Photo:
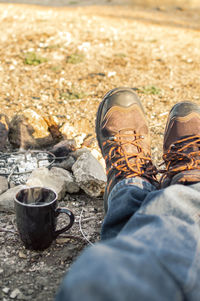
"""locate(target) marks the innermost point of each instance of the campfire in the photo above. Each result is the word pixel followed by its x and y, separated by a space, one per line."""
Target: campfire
pixel 17 166
pixel 36 151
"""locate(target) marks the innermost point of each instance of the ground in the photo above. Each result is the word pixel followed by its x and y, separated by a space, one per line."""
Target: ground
pixel 61 61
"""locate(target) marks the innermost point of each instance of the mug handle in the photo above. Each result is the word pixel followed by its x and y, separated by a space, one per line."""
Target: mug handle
pixel 71 217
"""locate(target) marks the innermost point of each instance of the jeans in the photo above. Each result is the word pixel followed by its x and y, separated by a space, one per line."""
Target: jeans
pixel 150 248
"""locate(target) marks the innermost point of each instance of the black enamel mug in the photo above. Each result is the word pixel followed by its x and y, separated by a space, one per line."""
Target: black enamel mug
pixel 36 217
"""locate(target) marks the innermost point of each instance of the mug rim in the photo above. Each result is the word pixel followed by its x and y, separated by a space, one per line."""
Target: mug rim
pixel 34 206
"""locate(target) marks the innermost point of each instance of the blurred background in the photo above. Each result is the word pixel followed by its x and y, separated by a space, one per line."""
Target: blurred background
pixel 147 3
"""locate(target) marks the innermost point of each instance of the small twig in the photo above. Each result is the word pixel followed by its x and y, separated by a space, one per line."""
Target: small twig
pixel 7 230
pixel 81 230
pixel 86 219
pixel 11 173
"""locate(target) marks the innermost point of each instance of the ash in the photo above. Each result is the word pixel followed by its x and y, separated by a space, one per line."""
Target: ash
pixel 18 166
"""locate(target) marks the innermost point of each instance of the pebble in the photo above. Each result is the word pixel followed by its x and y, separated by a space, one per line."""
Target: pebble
pixel 22 255
pixel 6 290
pixel 62 240
pixel 15 293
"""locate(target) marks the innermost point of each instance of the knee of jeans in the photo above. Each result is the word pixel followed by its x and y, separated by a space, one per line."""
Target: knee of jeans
pixel 89 263
pixel 86 275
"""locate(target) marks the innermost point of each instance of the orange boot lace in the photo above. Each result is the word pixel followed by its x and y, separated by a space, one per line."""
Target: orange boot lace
pixel 127 164
pixel 182 155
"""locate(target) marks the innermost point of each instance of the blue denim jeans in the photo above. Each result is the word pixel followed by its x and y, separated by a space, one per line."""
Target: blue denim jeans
pixel 150 248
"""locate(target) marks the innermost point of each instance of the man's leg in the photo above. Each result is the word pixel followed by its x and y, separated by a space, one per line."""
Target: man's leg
pixel 154 257
pixel 124 200
pixel 155 254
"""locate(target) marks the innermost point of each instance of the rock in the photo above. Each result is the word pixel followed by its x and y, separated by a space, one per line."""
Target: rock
pixel 56 178
pixel 66 164
pixel 39 125
pixel 62 240
pixel 3 184
pixel 89 174
pixel 77 129
pixel 6 290
pixel 63 148
pixel 30 130
pixel 80 139
pixel 4 128
pixel 96 154
pixel 7 199
pixel 21 133
pixel 80 151
pixel 68 130
pixel 15 293
pixel 22 255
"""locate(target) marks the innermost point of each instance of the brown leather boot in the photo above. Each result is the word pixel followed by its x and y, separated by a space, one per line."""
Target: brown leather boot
pixel 181 146
pixel 123 137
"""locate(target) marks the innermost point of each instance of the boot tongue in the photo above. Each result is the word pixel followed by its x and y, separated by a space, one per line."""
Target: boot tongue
pixel 126 139
pixel 179 129
pixel 125 127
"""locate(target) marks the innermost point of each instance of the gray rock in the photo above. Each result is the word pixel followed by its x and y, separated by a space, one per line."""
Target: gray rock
pixel 3 184
pixel 7 199
pixel 80 151
pixel 66 164
pixel 15 293
pixel 6 290
pixel 89 174
pixel 63 148
pixel 56 178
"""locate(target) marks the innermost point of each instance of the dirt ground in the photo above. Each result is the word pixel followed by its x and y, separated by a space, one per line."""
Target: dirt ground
pixel 61 61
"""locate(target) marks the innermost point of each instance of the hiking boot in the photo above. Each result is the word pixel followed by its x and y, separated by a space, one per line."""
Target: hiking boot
pixel 123 137
pixel 181 148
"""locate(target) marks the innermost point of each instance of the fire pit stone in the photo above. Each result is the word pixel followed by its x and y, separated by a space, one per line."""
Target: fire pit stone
pixel 89 174
pixel 7 199
pixel 3 184
pixel 56 178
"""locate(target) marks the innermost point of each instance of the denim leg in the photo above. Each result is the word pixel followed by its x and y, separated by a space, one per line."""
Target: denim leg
pixel 168 222
pixel 124 200
pixel 155 255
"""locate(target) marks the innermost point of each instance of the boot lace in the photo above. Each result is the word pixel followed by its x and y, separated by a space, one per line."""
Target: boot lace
pixel 128 164
pixel 182 155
